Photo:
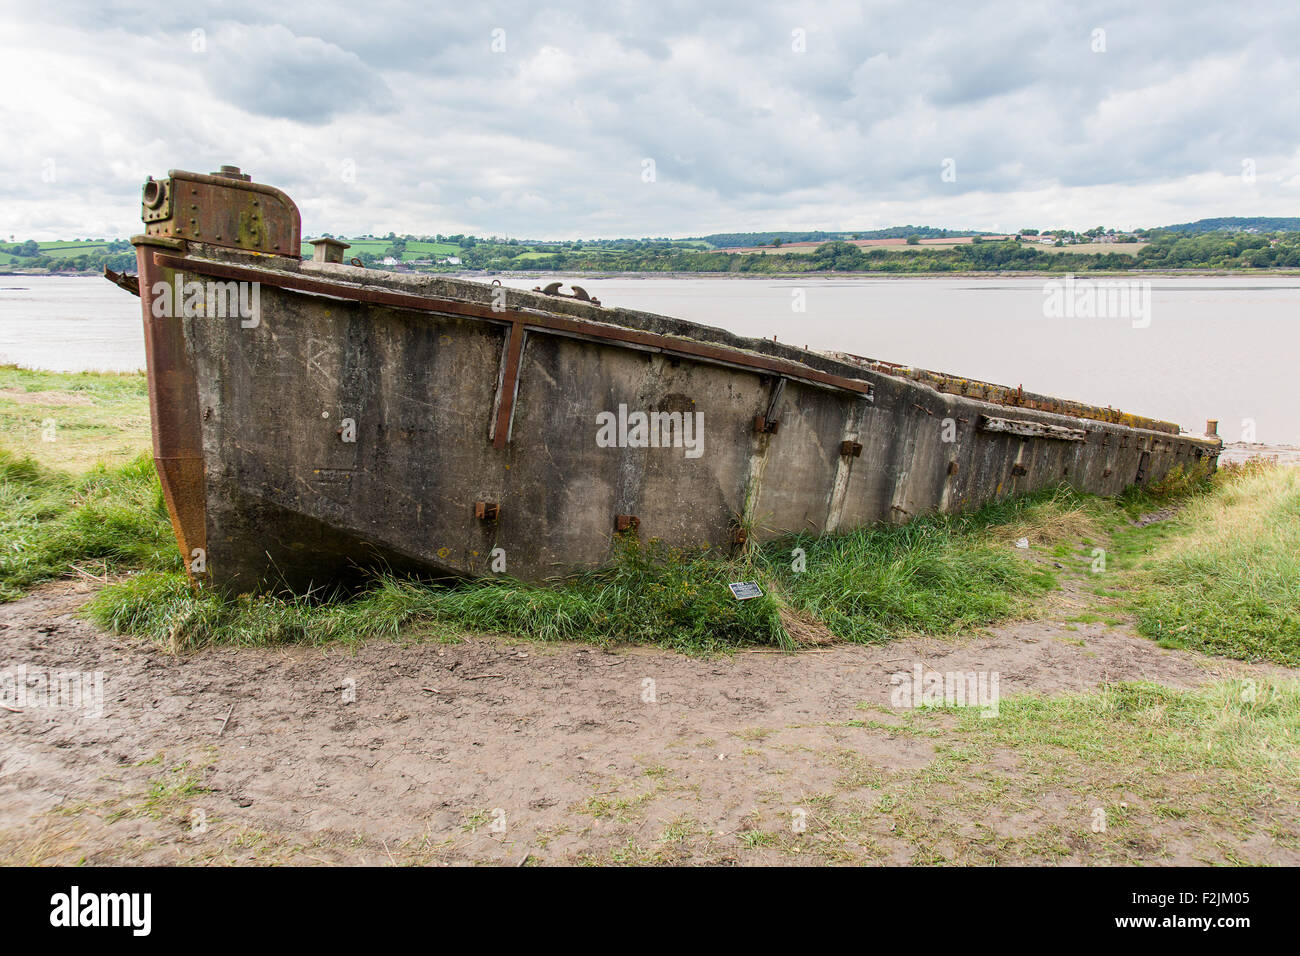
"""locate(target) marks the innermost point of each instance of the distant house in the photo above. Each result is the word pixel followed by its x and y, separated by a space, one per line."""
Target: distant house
pixel 449 261
pixel 390 261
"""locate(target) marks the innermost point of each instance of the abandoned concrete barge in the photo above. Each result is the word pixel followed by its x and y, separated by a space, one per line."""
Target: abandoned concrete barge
pixel 314 419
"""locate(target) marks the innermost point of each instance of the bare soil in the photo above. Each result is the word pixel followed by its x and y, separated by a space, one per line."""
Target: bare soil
pixel 500 751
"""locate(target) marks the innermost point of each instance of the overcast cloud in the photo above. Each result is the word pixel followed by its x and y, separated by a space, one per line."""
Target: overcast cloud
pixel 378 116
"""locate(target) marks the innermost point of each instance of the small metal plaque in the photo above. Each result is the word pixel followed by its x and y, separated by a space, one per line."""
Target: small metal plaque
pixel 744 590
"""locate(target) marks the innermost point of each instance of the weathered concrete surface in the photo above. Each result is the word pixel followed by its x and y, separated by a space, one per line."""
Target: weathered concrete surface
pixel 339 435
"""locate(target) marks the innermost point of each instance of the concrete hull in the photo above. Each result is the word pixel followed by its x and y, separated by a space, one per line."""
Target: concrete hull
pixel 433 426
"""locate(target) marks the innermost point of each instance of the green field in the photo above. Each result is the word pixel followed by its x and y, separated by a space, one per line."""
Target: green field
pixel 532 252
pixel 373 246
pixel 73 421
pixel 60 249
pixel 425 249
pixel 1082 248
pixel 415 249
pixel 74 247
pixel 1099 248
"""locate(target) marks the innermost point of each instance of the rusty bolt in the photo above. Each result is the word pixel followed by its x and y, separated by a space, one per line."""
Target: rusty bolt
pixel 626 522
pixel 851 448
pixel 486 510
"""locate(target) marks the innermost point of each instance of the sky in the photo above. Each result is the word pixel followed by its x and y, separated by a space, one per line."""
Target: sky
pixel 671 118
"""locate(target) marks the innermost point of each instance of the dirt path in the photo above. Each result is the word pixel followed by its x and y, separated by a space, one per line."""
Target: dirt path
pixel 443 744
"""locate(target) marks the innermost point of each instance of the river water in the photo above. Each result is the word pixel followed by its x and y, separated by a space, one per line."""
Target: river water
pixel 1203 347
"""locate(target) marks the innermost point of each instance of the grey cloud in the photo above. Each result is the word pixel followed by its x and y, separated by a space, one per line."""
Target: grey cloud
pixel 270 71
pixel 547 138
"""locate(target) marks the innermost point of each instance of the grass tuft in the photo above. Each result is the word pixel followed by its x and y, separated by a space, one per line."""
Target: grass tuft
pixel 933 575
pixel 1229 582
pixel 1232 726
pixel 649 596
pixel 73 420
pixel 112 518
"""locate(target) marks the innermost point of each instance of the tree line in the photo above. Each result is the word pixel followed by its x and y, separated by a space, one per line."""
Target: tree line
pixel 117 254
pixel 1162 250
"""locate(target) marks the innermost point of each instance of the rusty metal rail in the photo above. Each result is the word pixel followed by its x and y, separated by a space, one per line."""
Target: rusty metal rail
pixel 1007 396
pixel 529 319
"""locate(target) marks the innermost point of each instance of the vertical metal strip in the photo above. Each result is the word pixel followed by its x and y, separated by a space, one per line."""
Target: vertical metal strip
pixel 844 469
pixel 174 410
pixel 508 387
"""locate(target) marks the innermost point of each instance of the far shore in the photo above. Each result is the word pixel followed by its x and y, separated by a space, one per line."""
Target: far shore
pixel 1010 274
pixel 1022 274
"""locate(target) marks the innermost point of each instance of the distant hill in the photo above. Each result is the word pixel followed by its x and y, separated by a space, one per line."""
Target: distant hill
pixel 728 240
pixel 1236 224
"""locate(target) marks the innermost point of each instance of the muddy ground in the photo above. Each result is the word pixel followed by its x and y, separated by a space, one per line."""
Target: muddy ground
pixel 511 752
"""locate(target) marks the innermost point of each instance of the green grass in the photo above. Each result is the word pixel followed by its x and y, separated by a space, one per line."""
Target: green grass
pixel 647 596
pixel 1222 755
pixel 74 421
pixel 1227 581
pixel 420 249
pixel 415 249
pixel 71 247
pixel 1131 773
pixel 108 519
pixel 1233 727
pixel 356 247
pixel 934 575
